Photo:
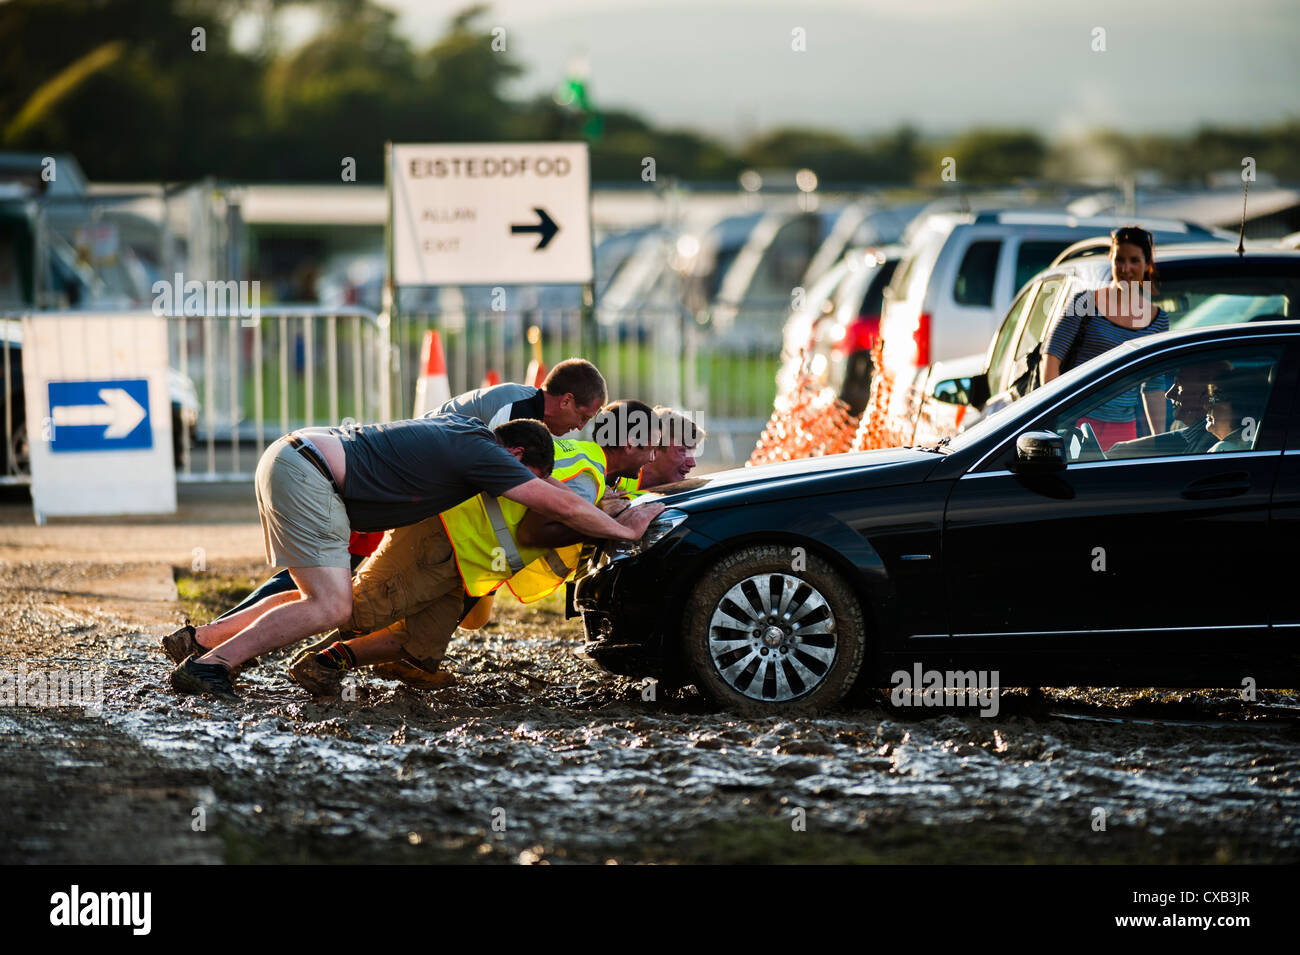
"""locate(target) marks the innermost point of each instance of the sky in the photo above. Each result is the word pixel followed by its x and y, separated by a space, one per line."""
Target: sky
pixel 728 67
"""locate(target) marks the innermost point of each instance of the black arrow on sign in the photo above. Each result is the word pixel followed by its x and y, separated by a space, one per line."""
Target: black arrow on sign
pixel 546 228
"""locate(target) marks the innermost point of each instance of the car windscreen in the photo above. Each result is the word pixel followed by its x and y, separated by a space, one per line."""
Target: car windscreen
pixel 1195 301
pixel 1006 334
pixel 873 298
pixel 1036 399
pixel 915 269
pixel 1048 304
pixel 1195 294
pixel 1034 256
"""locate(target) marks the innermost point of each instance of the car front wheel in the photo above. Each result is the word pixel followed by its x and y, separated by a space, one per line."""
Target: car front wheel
pixel 772 629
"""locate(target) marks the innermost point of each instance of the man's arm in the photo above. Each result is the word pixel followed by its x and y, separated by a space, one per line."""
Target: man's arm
pixel 1154 403
pixel 536 531
pixel 587 519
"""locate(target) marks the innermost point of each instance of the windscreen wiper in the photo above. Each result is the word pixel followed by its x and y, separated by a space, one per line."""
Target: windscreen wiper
pixel 938 448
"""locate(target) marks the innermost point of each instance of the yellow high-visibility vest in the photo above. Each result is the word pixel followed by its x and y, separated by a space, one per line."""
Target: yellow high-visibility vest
pixel 631 486
pixel 482 534
pixel 544 574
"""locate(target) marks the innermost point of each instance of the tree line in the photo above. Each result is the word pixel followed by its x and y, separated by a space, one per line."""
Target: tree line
pixel 154 90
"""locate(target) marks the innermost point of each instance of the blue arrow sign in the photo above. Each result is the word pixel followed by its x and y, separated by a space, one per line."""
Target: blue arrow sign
pixel 108 415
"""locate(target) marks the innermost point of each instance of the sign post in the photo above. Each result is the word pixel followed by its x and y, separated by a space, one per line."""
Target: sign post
pixel 99 420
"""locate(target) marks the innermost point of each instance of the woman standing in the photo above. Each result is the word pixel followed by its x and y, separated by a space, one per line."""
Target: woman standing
pixel 1098 320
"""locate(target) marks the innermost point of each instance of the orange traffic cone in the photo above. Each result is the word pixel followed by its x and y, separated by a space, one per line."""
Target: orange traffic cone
pixel 490 378
pixel 536 369
pixel 433 389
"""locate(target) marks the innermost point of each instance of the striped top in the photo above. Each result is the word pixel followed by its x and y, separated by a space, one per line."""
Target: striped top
pixel 1100 335
pixel 497 404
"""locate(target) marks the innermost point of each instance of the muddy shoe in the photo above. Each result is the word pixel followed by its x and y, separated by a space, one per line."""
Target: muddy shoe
pixel 315 648
pixel 210 679
pixel 413 676
pixel 315 677
pixel 181 643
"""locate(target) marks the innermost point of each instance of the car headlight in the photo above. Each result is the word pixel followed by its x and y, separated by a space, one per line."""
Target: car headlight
pixel 659 528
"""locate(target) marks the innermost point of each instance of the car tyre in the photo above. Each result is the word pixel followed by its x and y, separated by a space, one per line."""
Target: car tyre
pixel 771 631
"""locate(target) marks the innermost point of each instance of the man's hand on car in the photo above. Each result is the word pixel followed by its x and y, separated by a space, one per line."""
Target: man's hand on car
pixel 638 518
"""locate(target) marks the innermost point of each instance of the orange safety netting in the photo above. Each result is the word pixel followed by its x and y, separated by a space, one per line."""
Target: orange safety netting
pixel 807 421
pixel 891 415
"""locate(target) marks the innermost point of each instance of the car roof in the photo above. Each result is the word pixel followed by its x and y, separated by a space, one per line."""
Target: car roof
pixel 1032 217
pixel 1093 246
pixel 1088 253
pixel 1060 219
pixel 1225 250
pixel 1210 333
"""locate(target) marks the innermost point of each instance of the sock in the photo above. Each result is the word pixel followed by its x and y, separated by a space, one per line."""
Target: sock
pixel 337 656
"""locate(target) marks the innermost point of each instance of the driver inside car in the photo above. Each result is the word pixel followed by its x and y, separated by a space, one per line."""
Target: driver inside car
pixel 1235 406
pixel 1190 433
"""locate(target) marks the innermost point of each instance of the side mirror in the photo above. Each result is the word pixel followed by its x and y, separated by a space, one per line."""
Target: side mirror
pixel 953 391
pixel 973 391
pixel 1040 452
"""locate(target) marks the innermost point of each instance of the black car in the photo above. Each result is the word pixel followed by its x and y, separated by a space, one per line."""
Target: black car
pixel 1040 546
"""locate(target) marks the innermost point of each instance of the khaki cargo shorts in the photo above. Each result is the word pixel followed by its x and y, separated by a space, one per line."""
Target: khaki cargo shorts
pixel 304 523
pixel 411 584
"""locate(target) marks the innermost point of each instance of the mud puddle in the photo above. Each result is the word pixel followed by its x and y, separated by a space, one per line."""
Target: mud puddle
pixel 534 757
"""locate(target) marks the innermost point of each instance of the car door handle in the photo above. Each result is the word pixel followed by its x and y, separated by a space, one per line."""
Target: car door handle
pixel 1220 485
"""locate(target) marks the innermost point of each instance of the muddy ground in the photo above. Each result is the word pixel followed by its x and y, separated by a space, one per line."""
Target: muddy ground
pixel 535 757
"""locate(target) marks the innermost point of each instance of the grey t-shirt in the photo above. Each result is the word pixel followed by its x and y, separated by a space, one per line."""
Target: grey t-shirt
pixel 498 404
pixel 585 486
pixel 401 472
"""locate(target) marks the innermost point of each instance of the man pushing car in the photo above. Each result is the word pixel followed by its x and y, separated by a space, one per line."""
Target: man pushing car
pixel 317 485
pixel 411 594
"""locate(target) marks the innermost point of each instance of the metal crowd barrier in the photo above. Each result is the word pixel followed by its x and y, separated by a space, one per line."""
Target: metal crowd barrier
pixel 239 382
pixel 660 355
pixel 291 367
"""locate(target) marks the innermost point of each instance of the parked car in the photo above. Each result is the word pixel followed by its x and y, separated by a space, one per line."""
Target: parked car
pixel 830 338
pixel 867 222
pixel 1197 285
pixel 755 293
pixel 797 336
pixel 1018 548
pixel 666 270
pixel 962 270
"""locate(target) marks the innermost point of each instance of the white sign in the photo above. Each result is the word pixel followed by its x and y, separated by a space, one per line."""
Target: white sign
pixel 99 421
pixel 491 214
